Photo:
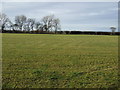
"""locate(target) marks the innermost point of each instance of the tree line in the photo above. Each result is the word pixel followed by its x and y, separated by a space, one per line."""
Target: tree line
pixel 21 23
pixel 47 24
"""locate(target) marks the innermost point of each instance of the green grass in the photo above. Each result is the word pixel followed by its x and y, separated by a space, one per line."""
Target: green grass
pixel 62 61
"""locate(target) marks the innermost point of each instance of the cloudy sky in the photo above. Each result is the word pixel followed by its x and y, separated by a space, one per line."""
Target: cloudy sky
pixel 92 16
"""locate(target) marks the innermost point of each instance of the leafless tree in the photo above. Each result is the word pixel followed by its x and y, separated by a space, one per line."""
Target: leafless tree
pixel 48 22
pixel 14 27
pixel 30 24
pixel 56 23
pixel 20 21
pixel 51 23
pixel 113 30
pixel 39 26
pixel 3 20
pixel 25 27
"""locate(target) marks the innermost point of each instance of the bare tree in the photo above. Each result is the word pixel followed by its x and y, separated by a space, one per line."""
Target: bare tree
pixel 113 30
pixel 14 27
pixel 20 21
pixel 48 22
pixel 3 20
pixel 8 25
pixel 30 24
pixel 56 23
pixel 39 26
pixel 25 27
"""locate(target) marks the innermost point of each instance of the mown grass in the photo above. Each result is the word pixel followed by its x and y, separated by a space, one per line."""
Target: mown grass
pixel 59 61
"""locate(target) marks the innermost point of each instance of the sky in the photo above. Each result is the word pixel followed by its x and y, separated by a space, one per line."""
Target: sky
pixel 60 0
pixel 79 16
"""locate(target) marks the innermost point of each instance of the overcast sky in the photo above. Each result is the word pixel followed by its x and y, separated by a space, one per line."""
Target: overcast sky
pixel 94 16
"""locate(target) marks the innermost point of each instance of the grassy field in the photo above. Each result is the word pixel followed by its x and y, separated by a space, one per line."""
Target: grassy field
pixel 62 61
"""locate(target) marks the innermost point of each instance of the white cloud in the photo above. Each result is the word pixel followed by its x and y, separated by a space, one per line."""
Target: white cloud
pixel 92 13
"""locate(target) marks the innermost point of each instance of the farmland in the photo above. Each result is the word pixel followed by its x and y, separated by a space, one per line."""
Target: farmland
pixel 59 61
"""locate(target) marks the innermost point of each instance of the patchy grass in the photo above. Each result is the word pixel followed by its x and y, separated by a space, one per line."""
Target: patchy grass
pixel 59 61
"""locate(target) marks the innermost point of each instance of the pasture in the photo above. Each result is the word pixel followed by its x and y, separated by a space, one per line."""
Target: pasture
pixel 59 61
